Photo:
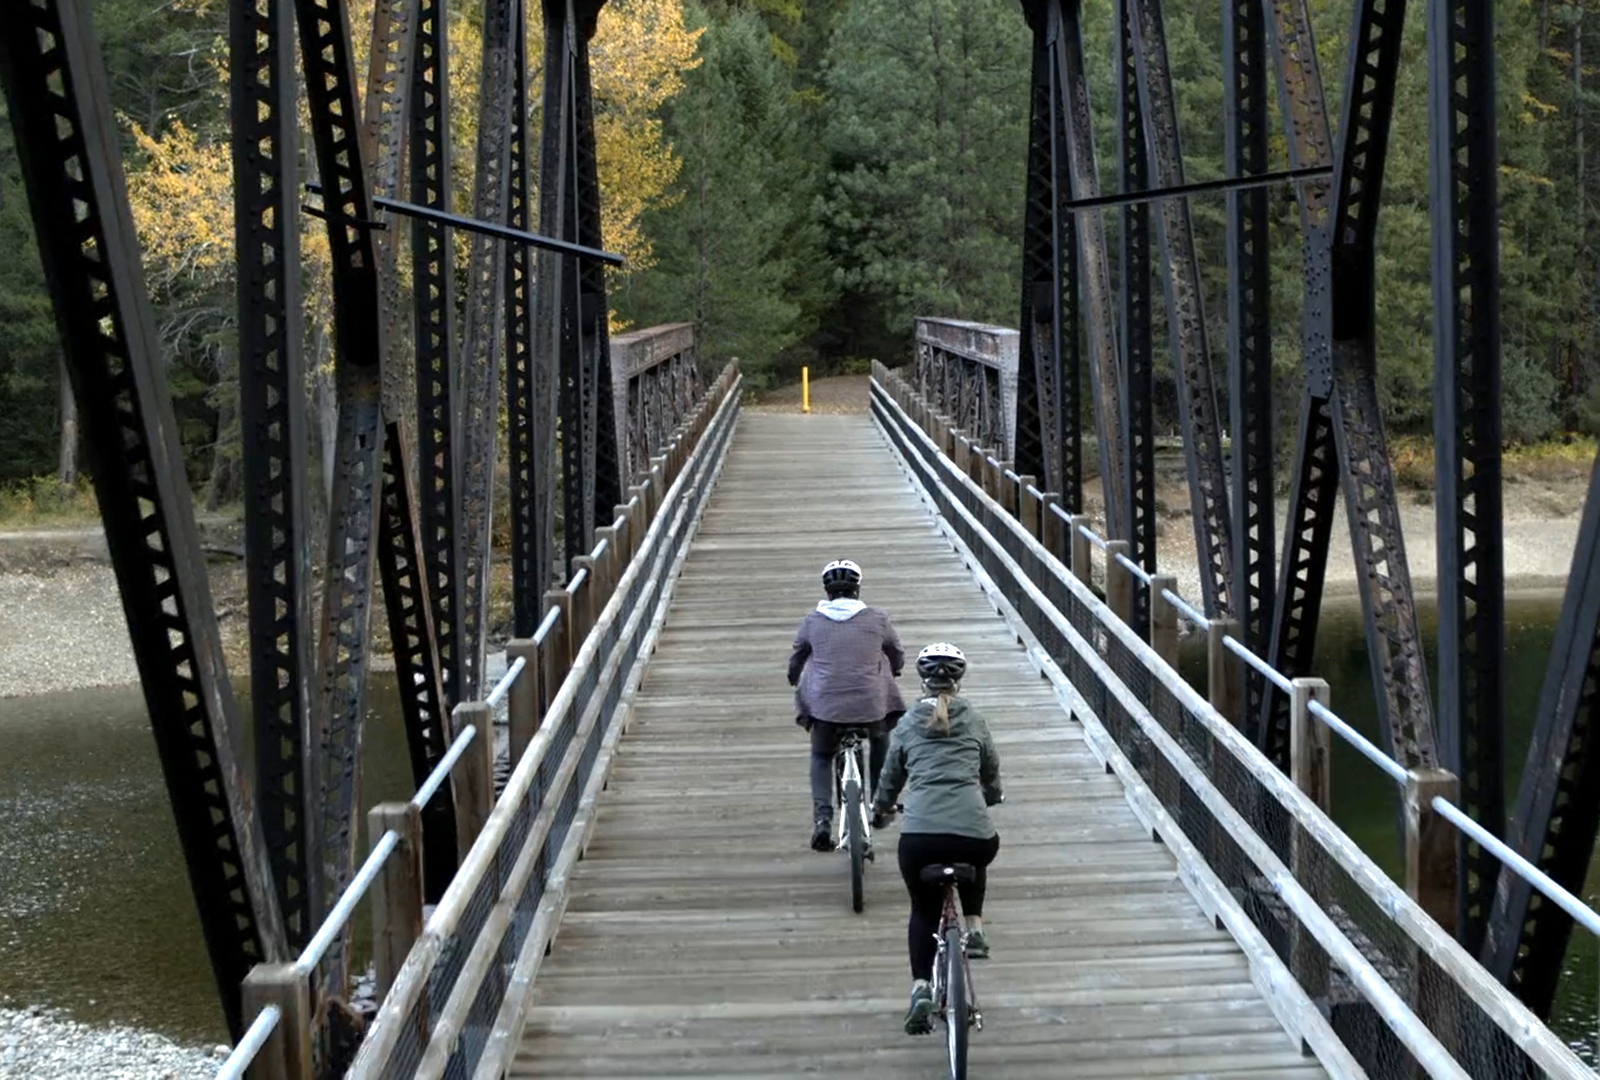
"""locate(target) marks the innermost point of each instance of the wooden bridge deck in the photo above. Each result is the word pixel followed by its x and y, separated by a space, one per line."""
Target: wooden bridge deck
pixel 704 937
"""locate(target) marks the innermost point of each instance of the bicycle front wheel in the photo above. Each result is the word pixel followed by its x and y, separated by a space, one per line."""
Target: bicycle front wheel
pixel 955 994
pixel 858 846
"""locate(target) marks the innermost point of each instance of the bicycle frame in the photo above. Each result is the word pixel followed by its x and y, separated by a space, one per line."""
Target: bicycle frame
pixel 950 917
pixel 849 764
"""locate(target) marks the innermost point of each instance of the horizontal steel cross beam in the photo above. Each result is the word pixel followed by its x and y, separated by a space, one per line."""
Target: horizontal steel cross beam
pixel 483 228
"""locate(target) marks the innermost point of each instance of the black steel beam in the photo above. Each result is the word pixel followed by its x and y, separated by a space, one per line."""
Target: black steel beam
pixel 59 102
pixel 437 373
pixel 273 427
pixel 360 336
pixel 1096 298
pixel 593 310
pixel 555 327
pixel 1554 822
pixel 529 545
pixel 484 340
pixel 1466 426
pixel 1138 349
pixel 1250 401
pixel 518 236
pixel 1186 330
pixel 1399 671
pixel 1042 420
pixel 1314 484
pixel 1199 187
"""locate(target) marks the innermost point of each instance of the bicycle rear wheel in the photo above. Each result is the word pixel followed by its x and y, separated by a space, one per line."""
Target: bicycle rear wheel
pixel 955 995
pixel 858 846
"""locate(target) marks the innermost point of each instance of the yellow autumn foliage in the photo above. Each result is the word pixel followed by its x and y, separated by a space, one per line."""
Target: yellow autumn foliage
pixel 180 180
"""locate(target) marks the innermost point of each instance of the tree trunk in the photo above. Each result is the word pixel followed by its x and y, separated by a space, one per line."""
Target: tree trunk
pixel 223 486
pixel 67 470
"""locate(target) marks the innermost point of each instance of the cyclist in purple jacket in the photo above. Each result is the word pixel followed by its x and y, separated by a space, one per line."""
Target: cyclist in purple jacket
pixel 845 661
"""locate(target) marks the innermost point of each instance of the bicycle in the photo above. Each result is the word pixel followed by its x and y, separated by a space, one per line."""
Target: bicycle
pixel 955 1001
pixel 855 833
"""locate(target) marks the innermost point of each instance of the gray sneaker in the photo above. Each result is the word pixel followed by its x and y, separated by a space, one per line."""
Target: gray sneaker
pixel 977 945
pixel 919 1017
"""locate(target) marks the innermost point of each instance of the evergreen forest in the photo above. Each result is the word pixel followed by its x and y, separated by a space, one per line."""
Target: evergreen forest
pixel 801 178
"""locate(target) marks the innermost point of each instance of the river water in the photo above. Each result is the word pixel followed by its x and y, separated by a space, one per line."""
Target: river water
pixel 96 916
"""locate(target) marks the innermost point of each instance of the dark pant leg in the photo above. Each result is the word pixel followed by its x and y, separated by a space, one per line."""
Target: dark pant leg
pixel 927 901
pixel 824 744
pixel 980 853
pixel 879 752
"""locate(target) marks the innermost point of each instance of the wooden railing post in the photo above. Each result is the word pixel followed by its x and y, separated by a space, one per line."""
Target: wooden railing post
pixel 991 476
pixel 1309 754
pixel 1309 768
pixel 1224 688
pixel 523 704
pixel 397 891
pixel 473 782
pixel 1028 506
pixel 947 436
pixel 1050 526
pixel 286 1055
pixel 583 601
pixel 557 647
pixel 607 566
pixel 1007 491
pixel 1119 581
pixel 1431 845
pixel 1079 544
pixel 1164 619
pixel 628 532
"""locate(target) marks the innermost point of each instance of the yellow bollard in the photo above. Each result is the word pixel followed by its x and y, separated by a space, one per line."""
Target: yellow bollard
pixel 805 389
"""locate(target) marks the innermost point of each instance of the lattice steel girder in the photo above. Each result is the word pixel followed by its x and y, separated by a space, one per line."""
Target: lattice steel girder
pixel 1107 375
pixel 390 93
pixel 484 339
pixel 1466 426
pixel 1250 402
pixel 593 310
pixel 60 107
pixel 552 325
pixel 1137 347
pixel 1399 671
pixel 437 375
pixel 1180 274
pixel 530 546
pixel 273 428
pixel 1557 813
pixel 416 661
pixel 1049 420
pixel 1315 482
pixel 360 336
pixel 1340 368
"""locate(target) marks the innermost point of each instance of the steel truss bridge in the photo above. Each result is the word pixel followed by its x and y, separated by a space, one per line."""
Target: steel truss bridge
pixel 614 447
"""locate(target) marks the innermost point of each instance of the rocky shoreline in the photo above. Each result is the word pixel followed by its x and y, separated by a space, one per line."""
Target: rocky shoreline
pixel 41 1044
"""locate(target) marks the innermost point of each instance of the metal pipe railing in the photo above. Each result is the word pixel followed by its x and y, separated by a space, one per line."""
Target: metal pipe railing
pixel 1368 748
pixel 442 770
pixel 503 687
pixel 317 947
pixel 1270 673
pixel 1191 613
pixel 254 1039
pixel 1134 568
pixel 1582 913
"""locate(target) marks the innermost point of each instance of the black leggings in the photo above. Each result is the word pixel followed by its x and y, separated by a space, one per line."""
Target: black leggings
pixel 927 901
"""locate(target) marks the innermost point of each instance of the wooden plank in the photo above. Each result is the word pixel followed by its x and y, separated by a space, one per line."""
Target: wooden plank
pixel 702 935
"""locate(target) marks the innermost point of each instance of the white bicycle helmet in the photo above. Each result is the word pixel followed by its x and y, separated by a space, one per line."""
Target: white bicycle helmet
pixel 841 573
pixel 941 664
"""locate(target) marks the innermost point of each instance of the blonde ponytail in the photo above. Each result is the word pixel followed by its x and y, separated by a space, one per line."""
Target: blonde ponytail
pixel 940 720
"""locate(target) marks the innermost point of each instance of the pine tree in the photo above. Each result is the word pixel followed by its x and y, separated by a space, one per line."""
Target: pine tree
pixel 927 129
pixel 736 243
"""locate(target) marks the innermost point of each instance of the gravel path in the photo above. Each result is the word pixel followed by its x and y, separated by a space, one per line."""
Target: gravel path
pixel 62 628
pixel 36 1044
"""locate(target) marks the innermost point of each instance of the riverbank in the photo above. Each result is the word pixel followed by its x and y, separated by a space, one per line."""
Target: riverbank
pixel 39 1044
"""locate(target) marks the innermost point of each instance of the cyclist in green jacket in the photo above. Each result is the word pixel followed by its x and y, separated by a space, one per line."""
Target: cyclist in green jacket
pixel 944 757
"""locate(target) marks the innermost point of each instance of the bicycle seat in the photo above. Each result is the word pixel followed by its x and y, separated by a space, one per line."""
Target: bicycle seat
pixel 947 874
